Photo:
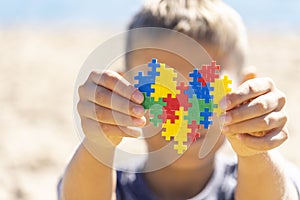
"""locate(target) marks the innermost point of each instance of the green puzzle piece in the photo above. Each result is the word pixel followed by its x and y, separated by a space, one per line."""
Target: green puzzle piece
pixel 149 101
pixel 156 110
pixel 203 105
pixel 193 111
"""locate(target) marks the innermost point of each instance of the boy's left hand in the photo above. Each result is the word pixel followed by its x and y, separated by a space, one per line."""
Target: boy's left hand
pixel 255 119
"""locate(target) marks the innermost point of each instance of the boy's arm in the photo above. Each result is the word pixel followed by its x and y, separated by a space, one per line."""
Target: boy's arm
pixel 262 176
pixel 87 178
pixel 108 106
pixel 254 124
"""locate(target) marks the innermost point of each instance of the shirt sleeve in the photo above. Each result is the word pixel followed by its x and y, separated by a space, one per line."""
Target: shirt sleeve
pixel 131 186
pixel 58 189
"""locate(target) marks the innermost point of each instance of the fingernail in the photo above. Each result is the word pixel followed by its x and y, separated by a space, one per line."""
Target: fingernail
pixel 138 96
pixel 238 136
pixel 139 121
pixel 225 129
pixel 226 118
pixel 224 103
pixel 138 110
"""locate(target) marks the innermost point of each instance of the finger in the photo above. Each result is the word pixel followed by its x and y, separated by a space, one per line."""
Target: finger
pixel 94 129
pixel 258 124
pixel 271 140
pixel 115 82
pixel 259 133
pixel 247 91
pixel 106 98
pixel 259 106
pixel 105 115
pixel 248 73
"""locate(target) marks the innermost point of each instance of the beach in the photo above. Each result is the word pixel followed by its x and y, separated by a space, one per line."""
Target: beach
pixel 38 68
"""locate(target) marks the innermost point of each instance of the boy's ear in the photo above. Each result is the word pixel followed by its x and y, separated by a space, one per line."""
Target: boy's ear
pixel 249 73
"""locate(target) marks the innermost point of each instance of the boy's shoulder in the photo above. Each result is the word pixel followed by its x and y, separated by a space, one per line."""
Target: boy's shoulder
pixel 222 185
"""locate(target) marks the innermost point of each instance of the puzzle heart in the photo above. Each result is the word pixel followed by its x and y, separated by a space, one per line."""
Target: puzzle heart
pixel 182 109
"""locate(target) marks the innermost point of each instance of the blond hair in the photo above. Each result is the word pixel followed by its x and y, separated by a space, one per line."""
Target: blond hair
pixel 210 21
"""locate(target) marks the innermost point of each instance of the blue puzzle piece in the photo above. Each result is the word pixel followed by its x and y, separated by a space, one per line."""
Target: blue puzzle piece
pixel 195 75
pixel 202 92
pixel 144 83
pixel 206 94
pixel 205 120
pixel 210 88
pixel 153 65
pixel 190 91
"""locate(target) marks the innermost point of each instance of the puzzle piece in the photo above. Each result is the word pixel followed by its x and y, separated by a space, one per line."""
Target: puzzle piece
pixel 206 121
pixel 149 101
pixel 156 110
pixel 198 111
pixel 198 86
pixel 182 97
pixel 202 105
pixel 144 83
pixel 221 88
pixel 218 94
pixel 172 103
pixel 180 147
pixel 226 82
pixel 197 79
pixel 210 72
pixel 182 109
pixel 190 92
pixel 168 115
pixel 203 92
pixel 181 136
pixel 171 106
pixel 210 87
pixel 170 129
pixel 202 81
pixel 194 134
pixel 153 65
pixel 165 83
pixel 193 111
pixel 163 116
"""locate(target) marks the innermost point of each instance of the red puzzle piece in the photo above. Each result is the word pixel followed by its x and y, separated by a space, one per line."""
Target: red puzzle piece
pixel 168 115
pixel 210 72
pixel 172 103
pixel 194 134
pixel 182 97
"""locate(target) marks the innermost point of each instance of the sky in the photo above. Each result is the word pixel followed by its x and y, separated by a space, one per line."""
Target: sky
pixel 256 13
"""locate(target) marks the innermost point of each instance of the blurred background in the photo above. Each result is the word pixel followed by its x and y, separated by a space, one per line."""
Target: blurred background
pixel 42 47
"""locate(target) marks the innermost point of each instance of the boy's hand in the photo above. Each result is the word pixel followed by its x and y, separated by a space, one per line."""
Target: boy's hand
pixel 255 119
pixel 108 105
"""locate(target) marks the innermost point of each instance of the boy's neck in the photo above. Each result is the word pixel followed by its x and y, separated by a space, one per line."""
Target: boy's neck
pixel 176 183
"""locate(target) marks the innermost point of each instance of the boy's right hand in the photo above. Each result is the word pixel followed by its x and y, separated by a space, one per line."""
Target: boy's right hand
pixel 108 105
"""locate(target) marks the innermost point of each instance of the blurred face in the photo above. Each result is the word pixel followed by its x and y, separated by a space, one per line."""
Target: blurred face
pixel 190 158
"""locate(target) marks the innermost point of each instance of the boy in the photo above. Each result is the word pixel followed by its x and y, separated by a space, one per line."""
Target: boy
pixel 254 123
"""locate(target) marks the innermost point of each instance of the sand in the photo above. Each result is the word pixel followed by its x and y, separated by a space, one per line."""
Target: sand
pixel 38 68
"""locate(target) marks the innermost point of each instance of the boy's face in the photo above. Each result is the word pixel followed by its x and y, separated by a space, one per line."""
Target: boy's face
pixel 183 67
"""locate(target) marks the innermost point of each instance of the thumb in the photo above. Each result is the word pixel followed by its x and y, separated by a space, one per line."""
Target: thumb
pixel 249 73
